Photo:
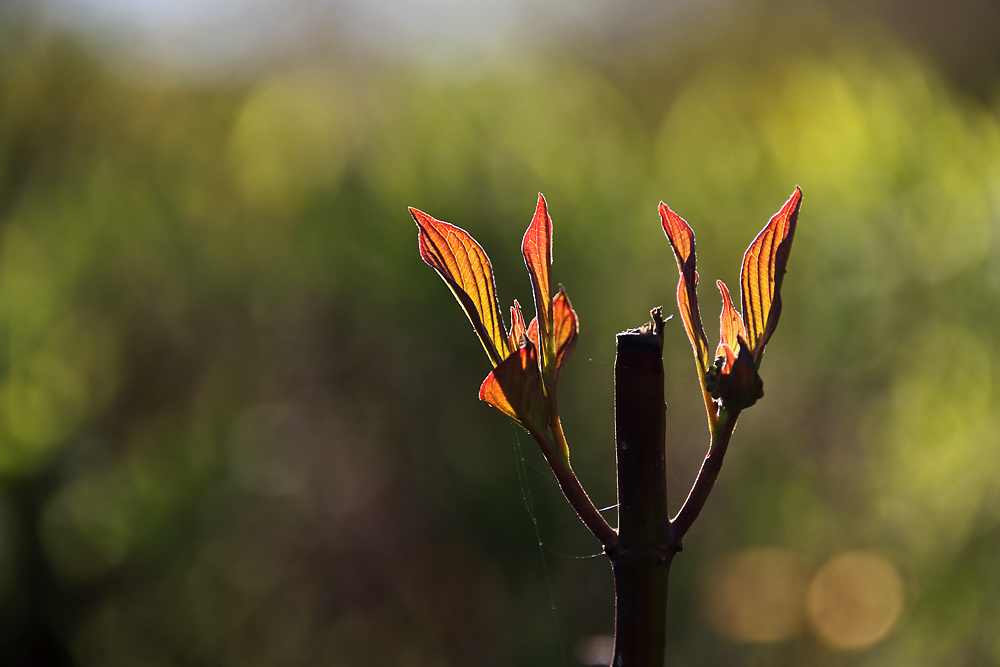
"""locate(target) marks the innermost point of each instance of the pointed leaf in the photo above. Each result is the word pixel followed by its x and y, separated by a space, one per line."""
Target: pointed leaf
pixel 681 238
pixel 466 269
pixel 566 326
pixel 731 326
pixel 537 249
pixel 679 233
pixel 533 331
pixel 517 330
pixel 763 272
pixel 515 389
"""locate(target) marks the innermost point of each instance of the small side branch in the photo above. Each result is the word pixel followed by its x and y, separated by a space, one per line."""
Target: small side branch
pixel 576 495
pixel 705 481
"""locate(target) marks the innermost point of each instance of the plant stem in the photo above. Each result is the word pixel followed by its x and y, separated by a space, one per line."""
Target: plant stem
pixel 641 558
pixel 643 548
pixel 575 494
pixel 705 481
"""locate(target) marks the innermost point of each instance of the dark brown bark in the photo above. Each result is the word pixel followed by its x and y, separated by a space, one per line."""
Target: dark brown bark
pixel 642 555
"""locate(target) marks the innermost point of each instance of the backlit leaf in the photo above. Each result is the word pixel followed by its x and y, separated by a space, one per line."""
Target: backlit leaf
pixel 537 249
pixel 681 239
pixel 566 327
pixel 517 330
pixel 739 384
pixel 515 389
pixel 464 266
pixel 763 272
pixel 731 327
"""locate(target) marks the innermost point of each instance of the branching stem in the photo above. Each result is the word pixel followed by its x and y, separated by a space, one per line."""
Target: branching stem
pixel 642 549
pixel 575 494
pixel 705 481
pixel 641 562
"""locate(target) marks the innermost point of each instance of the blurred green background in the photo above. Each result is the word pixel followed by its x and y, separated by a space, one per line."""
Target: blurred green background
pixel 238 415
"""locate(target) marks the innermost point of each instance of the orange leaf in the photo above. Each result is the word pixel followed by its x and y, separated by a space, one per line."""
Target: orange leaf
pixel 533 331
pixel 763 272
pixel 517 330
pixel 681 239
pixel 731 327
pixel 537 249
pixel 566 326
pixel 729 358
pixel 464 266
pixel 515 389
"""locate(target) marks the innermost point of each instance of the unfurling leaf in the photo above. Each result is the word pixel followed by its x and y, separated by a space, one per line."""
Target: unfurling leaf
pixel 537 249
pixel 517 330
pixel 738 385
pixel 681 239
pixel 515 389
pixel 566 327
pixel 466 269
pixel 731 326
pixel 763 272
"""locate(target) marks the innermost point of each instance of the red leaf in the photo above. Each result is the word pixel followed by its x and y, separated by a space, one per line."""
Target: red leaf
pixel 466 269
pixel 515 389
pixel 731 327
pixel 517 330
pixel 566 327
pixel 681 239
pixel 763 272
pixel 537 249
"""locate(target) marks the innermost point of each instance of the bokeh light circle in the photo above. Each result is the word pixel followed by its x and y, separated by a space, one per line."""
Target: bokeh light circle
pixel 755 595
pixel 854 600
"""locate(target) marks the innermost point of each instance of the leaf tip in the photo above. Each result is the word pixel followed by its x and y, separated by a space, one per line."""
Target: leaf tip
pixel 422 220
pixel 680 235
pixel 791 208
pixel 541 210
pixel 417 214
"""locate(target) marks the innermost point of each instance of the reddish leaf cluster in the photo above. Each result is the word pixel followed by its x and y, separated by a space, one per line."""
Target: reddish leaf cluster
pixel 732 382
pixel 527 360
